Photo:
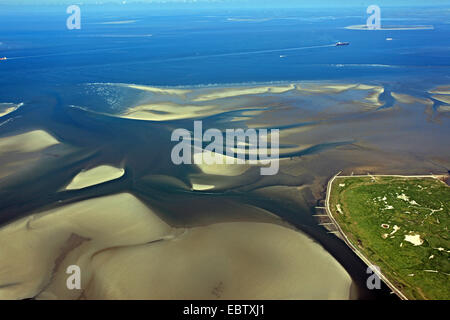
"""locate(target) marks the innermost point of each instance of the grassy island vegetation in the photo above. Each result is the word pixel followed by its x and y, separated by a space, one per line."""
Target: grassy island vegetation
pixel 401 225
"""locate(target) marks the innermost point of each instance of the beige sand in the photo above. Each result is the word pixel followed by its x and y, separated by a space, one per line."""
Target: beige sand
pixel 112 239
pixel 234 92
pixel 202 187
pixel 405 98
pixel 22 152
pixel 119 22
pixel 366 87
pixel 364 27
pixel 241 260
pixel 220 167
pixel 443 109
pixel 6 108
pixel 34 246
pixel 95 176
pixel 27 142
pixel 414 239
pixel 325 88
pixel 374 96
pixel 159 90
pixel 441 90
pixel 282 151
pixel 442 98
pixel 169 111
pixel 284 133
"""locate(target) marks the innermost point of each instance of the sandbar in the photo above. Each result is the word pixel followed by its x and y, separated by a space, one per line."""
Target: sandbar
pixel 238 260
pixel 95 176
pixel 158 90
pixel 31 141
pixel 6 108
pixel 364 27
pixel 234 92
pixel 35 249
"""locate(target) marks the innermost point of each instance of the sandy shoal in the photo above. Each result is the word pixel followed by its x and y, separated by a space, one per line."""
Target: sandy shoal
pixel 37 249
pixel 240 260
pixel 159 90
pixel 325 88
pixel 234 92
pixel 27 142
pixel 400 28
pixel 442 98
pixel 169 111
pixel 443 109
pixel 405 98
pixel 125 251
pixel 6 108
pixel 441 90
pixel 21 152
pixel 95 176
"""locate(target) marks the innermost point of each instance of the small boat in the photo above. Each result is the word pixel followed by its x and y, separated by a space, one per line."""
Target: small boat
pixel 338 44
pixel 4 58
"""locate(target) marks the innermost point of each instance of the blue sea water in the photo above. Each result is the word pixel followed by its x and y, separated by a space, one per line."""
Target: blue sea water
pixel 226 46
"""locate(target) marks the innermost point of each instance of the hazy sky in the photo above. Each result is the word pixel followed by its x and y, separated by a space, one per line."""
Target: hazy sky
pixel 246 3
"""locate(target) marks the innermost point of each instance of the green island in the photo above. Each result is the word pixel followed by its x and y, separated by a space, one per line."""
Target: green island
pixel 399 224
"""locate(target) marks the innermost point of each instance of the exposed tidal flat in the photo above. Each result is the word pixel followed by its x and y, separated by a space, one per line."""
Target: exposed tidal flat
pixel 198 231
pixel 6 108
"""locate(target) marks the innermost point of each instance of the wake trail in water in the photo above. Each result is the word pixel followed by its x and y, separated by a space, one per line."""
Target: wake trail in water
pixel 218 55
pixel 180 58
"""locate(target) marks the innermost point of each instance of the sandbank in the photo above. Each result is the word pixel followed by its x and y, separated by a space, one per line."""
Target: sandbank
pixel 95 176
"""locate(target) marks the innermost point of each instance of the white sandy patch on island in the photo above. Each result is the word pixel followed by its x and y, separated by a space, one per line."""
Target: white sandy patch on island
pixel 414 239
pixel 95 176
